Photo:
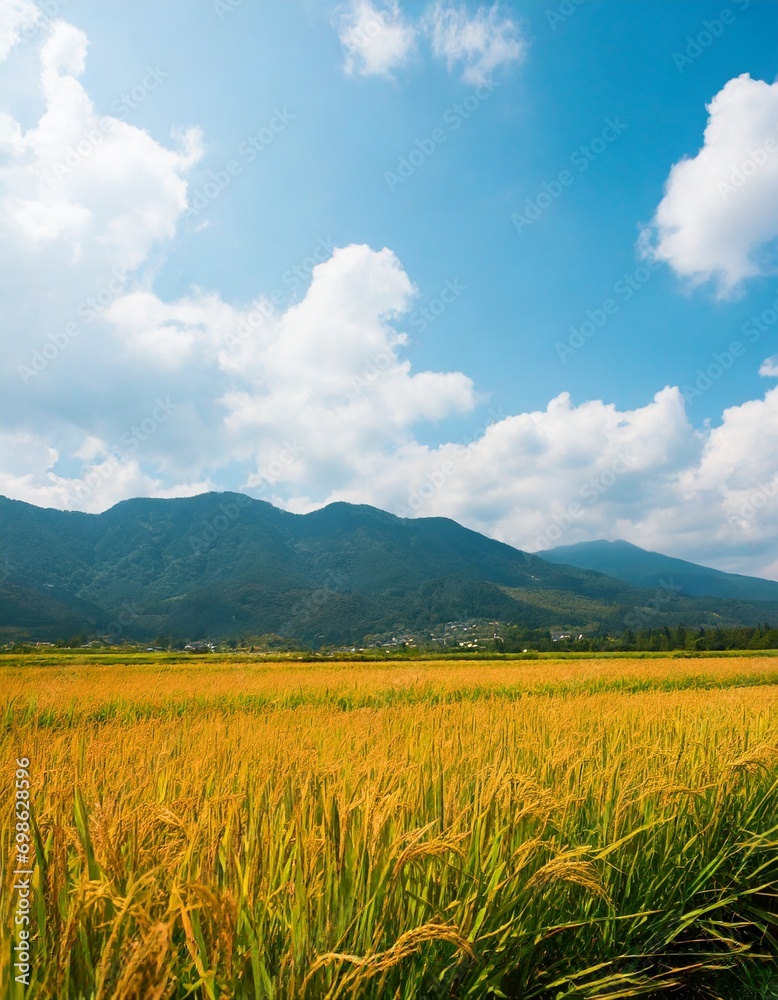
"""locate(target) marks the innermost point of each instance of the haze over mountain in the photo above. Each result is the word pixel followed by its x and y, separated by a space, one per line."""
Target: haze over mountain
pixel 642 568
pixel 223 565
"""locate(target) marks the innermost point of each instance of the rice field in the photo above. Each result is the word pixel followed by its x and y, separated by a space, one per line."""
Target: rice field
pixel 425 829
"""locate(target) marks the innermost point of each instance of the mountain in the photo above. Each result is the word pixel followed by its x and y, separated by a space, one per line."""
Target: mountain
pixel 641 568
pixel 222 565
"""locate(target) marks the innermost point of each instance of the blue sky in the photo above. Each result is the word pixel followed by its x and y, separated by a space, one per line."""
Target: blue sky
pixel 494 262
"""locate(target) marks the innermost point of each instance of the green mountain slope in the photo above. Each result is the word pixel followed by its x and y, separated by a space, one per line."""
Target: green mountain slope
pixel 641 568
pixel 222 565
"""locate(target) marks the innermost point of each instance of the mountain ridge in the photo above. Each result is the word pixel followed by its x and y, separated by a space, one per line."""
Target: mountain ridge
pixel 225 566
pixel 646 568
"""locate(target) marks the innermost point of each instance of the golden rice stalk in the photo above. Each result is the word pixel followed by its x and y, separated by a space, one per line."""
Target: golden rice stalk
pixel 407 944
pixel 756 759
pixel 430 849
pixel 153 949
pixel 567 867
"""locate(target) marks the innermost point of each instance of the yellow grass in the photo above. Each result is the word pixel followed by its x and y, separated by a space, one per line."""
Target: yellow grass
pixel 90 686
pixel 437 829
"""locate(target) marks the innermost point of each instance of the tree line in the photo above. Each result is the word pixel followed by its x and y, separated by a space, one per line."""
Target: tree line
pixel 515 639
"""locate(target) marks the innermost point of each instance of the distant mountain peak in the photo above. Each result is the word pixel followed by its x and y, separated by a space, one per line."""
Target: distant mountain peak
pixel 643 568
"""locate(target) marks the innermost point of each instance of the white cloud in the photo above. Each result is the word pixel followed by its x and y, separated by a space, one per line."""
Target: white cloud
pixel 534 479
pixel 314 401
pixel 742 452
pixel 30 473
pixel 576 472
pixel 769 367
pixel 327 372
pixel 718 218
pixel 376 39
pixel 66 181
pixel 64 52
pixel 85 199
pixel 317 402
pixel 735 486
pixel 16 16
pixel 481 43
pixel 379 39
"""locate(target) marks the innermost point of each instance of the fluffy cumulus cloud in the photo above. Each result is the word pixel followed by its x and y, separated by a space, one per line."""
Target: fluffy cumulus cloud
pixel 718 218
pixel 536 479
pixel 301 395
pixel 575 472
pixel 113 390
pixel 64 182
pixel 736 484
pixel 378 39
pixel 86 198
